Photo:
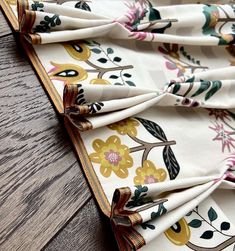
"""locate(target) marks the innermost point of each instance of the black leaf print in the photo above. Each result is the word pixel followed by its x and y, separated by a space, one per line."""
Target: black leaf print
pixel 212 214
pixel 82 5
pixel 130 83
pixel 113 77
pixel 117 59
pixel 195 223
pixel 207 235
pixel 225 226
pixel 171 163
pixel 127 75
pixel 102 60
pixel 153 129
pixel 95 107
pixel 80 100
pixel 37 6
pixel 161 210
pixel 146 225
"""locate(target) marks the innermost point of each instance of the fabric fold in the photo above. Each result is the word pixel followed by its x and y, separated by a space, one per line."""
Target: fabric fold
pixel 46 22
pixel 93 106
pixel 157 154
pixel 161 204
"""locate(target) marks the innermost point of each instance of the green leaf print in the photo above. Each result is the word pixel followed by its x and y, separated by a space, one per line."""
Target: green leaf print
pixel 216 85
pixel 212 214
pixel 203 87
pixel 48 23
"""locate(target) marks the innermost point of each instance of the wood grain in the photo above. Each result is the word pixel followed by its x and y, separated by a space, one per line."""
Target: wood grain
pixel 87 231
pixel 4 27
pixel 41 183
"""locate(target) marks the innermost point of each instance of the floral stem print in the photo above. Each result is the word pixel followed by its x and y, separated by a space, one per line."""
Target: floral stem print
pixel 185 65
pixel 148 173
pixel 115 157
pixel 147 147
pixel 141 200
pixel 213 20
pixel 228 125
pixel 48 22
pixel 37 6
pixel 224 20
pixel 101 71
pixel 205 87
pixel 213 216
pixel 219 247
pixel 98 49
pixel 154 203
pixel 209 234
pixel 175 62
pixel 143 16
pixel 82 51
pixel 74 73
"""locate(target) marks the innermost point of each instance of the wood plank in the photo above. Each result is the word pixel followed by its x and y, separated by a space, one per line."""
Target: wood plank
pixel 4 27
pixel 87 231
pixel 41 183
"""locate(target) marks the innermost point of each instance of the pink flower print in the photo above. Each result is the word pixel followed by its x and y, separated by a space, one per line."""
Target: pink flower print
pixel 113 157
pixel 150 179
pixel 223 136
pixel 170 65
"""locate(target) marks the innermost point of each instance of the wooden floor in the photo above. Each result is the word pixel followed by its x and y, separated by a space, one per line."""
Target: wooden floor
pixel 45 201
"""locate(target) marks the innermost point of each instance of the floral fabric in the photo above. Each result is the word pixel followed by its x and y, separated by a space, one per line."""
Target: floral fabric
pixel 141 20
pixel 149 87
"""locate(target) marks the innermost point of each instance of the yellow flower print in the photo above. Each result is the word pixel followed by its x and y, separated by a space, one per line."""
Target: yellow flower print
pixel 68 73
pixel 112 157
pixel 214 19
pixel 99 81
pixel 179 233
pixel 149 174
pixel 78 51
pixel 126 126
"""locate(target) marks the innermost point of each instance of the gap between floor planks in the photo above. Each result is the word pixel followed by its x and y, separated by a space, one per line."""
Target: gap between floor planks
pixel 87 230
pixel 41 183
